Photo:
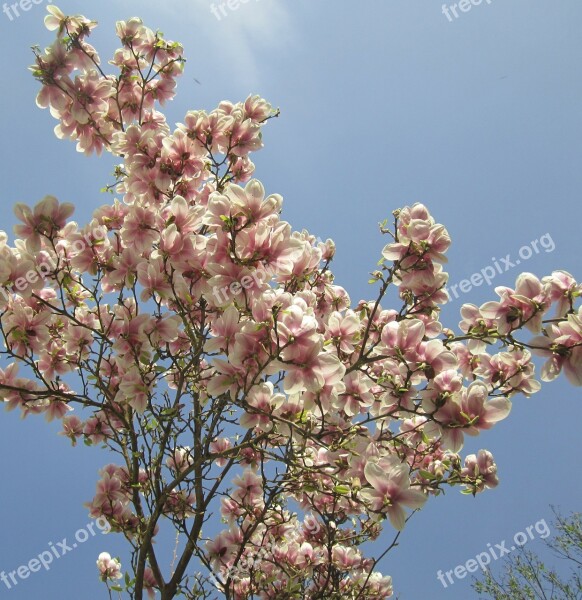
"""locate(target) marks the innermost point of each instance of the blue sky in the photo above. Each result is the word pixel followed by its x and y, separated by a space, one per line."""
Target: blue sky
pixel 384 103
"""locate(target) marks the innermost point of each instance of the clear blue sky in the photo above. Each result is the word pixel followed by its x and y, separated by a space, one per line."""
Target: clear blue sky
pixel 384 103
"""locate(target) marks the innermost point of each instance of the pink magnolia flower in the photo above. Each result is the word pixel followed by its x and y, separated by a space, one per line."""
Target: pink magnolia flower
pixel 150 584
pixel 467 360
pixel 97 429
pixel 162 90
pixel 56 409
pixel 72 428
pixel 129 332
pixel 444 385
pixel 433 357
pixel 257 109
pixel 109 568
pixel 140 229
pixel 403 336
pixel 220 445
pixel 54 361
pixel 66 25
pixel 525 305
pixel 46 219
pixel 357 397
pixel 180 504
pixel 317 369
pixel 222 548
pixel 180 459
pixel 307 556
pixel 59 63
pixel 223 329
pixel 56 19
pixel 223 377
pixel 179 150
pixel 391 491
pixel 468 411
pixel 164 330
pixel 482 469
pixel 515 368
pixel 418 235
pixel 344 330
pixel 90 94
pixel 563 345
pixel 154 279
pixel 346 558
pixel 477 325
pixel 261 401
pixel 423 279
pixel 244 137
pixel 379 586
pixel 563 289
pixel 479 410
pixel 129 31
pixel 28 331
pixel 249 488
pixel 135 389
pixel 109 489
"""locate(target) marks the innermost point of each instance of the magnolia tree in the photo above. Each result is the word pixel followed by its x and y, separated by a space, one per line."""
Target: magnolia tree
pixel 191 332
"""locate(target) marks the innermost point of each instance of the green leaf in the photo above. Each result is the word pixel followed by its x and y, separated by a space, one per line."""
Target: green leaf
pixel 152 425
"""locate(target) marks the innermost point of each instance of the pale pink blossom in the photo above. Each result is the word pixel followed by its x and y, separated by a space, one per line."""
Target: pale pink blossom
pixel 109 568
pixel 391 491
pixel 482 470
pixel 45 220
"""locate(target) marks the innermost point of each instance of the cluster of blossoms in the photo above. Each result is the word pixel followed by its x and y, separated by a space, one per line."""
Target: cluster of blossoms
pixel 275 392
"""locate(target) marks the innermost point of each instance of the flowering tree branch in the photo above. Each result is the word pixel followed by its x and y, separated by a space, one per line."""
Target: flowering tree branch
pixel 191 332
